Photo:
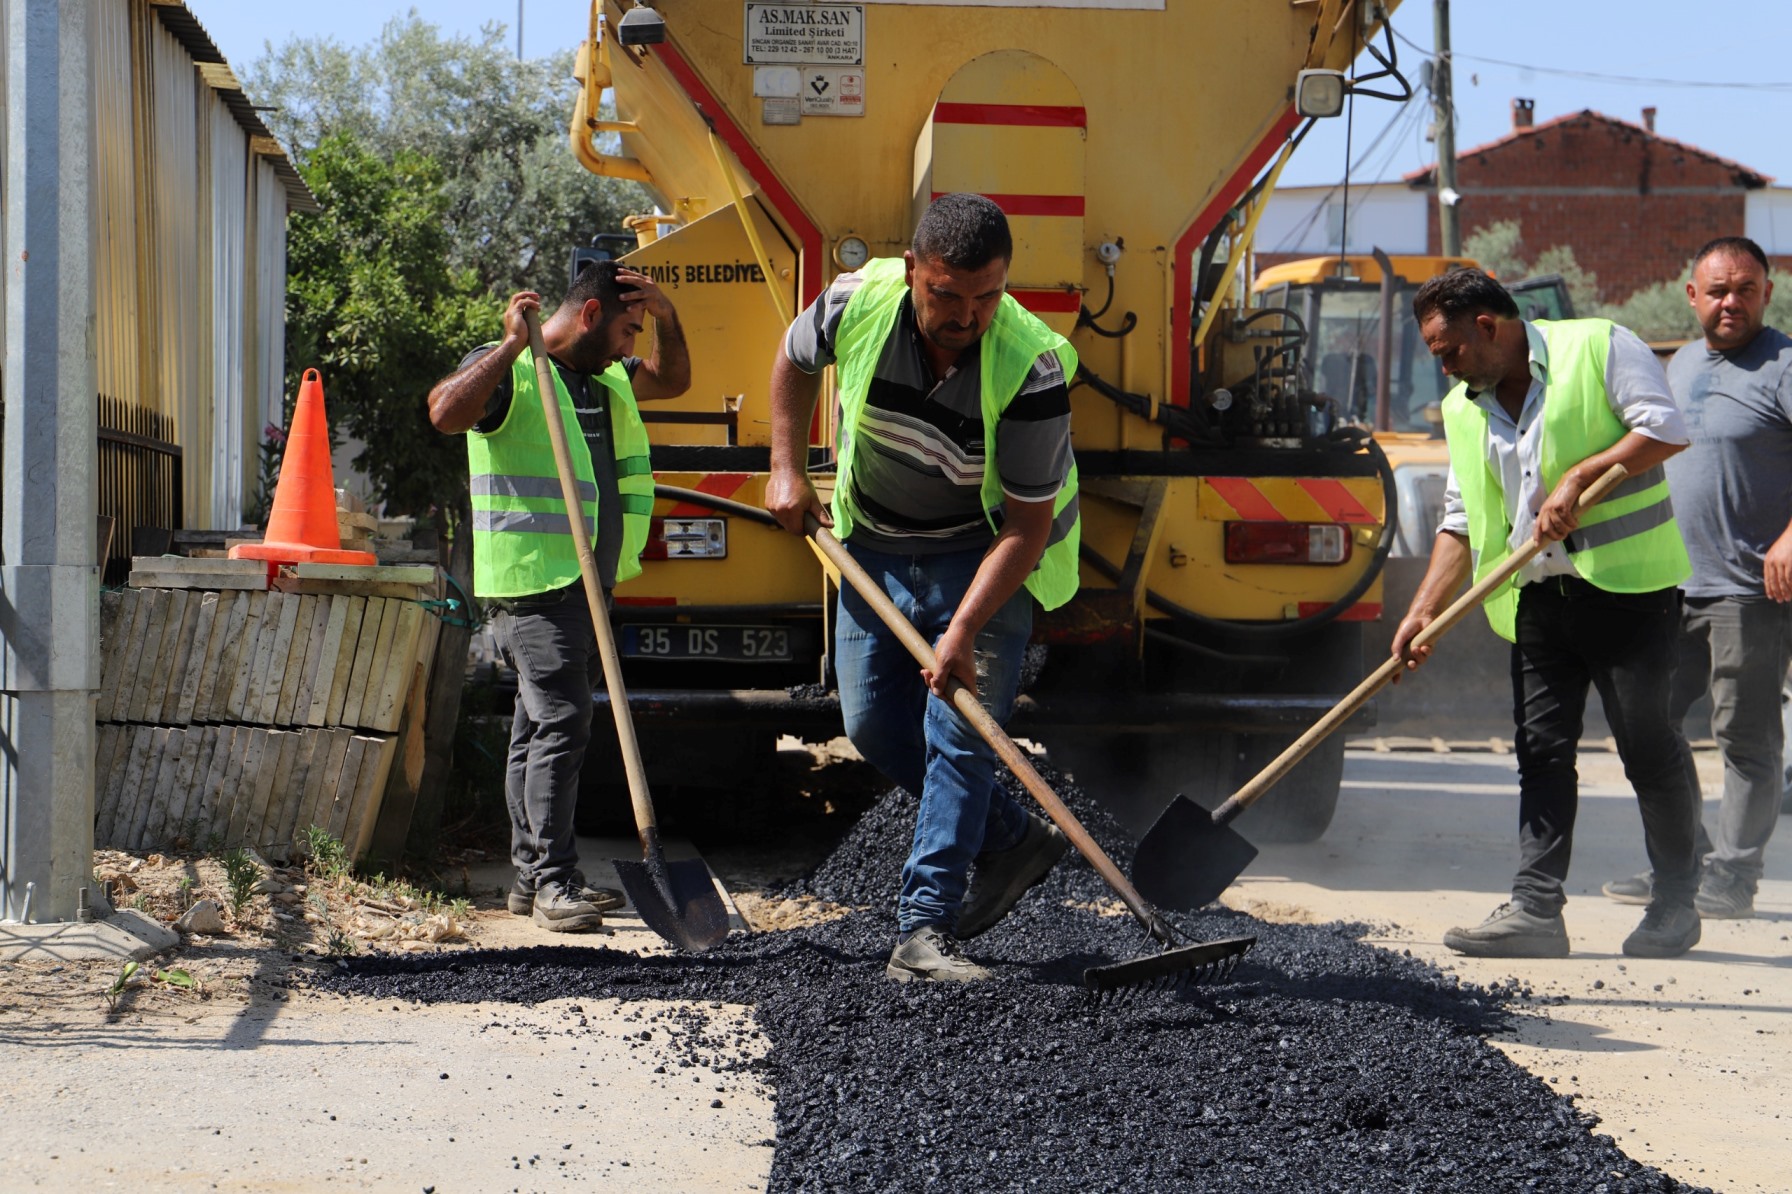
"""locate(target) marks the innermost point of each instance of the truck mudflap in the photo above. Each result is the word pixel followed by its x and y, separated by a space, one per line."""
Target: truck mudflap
pixel 808 710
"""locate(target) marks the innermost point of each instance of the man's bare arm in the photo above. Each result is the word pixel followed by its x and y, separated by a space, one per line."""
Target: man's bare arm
pixel 1451 563
pixel 1026 528
pixel 667 373
pixel 459 400
pixel 1638 453
pixel 789 493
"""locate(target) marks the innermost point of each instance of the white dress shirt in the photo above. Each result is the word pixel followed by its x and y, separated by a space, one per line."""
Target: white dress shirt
pixel 1637 390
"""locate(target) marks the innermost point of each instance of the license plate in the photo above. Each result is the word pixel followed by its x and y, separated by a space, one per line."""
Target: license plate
pixel 746 644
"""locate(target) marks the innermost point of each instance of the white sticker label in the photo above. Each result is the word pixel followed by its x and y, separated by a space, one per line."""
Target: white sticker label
pixel 833 91
pixel 831 34
pixel 781 109
pixel 782 82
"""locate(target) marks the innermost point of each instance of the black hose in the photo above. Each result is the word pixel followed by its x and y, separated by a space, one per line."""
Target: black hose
pixel 674 493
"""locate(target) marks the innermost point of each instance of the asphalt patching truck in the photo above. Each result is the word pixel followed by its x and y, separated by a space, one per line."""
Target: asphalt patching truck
pixel 1235 519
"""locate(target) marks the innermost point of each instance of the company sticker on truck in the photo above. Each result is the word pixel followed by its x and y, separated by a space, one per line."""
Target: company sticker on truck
pixel 809 34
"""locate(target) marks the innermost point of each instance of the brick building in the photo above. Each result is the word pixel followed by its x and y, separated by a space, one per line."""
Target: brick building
pixel 1633 205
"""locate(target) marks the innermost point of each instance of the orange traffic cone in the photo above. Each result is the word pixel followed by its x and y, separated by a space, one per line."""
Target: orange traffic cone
pixel 302 527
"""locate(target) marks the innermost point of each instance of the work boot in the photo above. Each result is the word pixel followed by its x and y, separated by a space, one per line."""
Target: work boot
pixel 1512 932
pixel 1667 931
pixel 559 909
pixel 930 953
pixel 1001 877
pixel 521 899
pixel 1725 895
pixel 1635 890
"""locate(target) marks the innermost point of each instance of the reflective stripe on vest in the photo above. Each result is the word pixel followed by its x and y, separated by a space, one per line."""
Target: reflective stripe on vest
pixel 522 535
pixel 1014 340
pixel 1629 543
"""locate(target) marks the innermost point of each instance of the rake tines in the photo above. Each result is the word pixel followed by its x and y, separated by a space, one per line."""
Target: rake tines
pixel 1169 971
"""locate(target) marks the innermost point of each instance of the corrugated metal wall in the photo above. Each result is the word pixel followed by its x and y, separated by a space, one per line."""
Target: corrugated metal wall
pixel 232 375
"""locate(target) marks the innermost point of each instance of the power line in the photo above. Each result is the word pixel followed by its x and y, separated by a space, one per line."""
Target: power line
pixel 1600 77
pixel 1410 111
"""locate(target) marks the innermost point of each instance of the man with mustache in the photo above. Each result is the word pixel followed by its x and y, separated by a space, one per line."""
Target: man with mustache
pixel 524 559
pixel 1540 411
pixel 956 490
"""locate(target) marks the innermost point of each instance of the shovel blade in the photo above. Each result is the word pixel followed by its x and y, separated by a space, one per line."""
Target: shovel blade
pixel 1185 861
pixel 677 900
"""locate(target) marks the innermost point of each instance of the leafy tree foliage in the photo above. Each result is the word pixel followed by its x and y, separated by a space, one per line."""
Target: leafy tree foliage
pixel 515 201
pixel 373 302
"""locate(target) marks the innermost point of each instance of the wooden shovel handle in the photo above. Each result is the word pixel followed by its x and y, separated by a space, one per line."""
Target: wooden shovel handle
pixel 966 702
pixel 645 823
pixel 1283 763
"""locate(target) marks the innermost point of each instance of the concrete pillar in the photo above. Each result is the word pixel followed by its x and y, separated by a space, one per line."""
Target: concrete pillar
pixel 49 578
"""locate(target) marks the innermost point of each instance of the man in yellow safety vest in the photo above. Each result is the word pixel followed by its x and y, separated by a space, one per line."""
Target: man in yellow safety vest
pixel 524 559
pixel 956 490
pixel 1540 411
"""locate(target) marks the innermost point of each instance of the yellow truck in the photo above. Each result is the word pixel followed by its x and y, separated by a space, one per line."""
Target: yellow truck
pixel 1234 518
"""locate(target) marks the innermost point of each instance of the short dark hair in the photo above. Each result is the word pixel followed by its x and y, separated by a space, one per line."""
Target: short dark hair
pixel 1462 291
pixel 964 231
pixel 596 281
pixel 1736 246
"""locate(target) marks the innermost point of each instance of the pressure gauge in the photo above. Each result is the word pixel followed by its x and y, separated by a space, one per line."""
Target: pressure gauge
pixel 851 253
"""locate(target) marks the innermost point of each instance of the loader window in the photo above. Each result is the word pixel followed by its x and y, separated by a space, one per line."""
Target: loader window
pixel 1344 356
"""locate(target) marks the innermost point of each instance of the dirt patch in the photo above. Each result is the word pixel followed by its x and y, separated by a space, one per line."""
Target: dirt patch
pixel 767 912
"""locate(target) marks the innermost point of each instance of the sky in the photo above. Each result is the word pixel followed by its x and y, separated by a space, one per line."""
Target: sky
pixel 1739 42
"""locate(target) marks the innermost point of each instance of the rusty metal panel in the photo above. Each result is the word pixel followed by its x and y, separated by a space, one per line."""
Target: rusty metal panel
pixel 263 392
pixel 181 206
pixel 115 200
pixel 230 298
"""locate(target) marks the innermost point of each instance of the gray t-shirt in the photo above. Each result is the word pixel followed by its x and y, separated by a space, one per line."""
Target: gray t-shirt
pixel 918 472
pixel 1733 486
pixel 591 401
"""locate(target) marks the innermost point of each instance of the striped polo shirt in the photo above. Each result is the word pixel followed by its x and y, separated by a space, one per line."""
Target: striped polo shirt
pixel 918 473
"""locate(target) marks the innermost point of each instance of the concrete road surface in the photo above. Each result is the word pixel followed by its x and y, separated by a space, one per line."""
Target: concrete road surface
pixel 1688 1061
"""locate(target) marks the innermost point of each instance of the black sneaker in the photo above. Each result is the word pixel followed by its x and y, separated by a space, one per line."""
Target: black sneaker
pixel 1001 878
pixel 1667 931
pixel 1638 889
pixel 1725 895
pixel 1512 932
pixel 931 954
pixel 558 909
pixel 521 899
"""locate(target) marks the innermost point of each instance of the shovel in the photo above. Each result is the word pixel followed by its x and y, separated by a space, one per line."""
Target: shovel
pixel 677 900
pixel 1180 963
pixel 1190 855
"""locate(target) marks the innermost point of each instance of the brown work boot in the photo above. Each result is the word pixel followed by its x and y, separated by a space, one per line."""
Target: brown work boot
pixel 931 954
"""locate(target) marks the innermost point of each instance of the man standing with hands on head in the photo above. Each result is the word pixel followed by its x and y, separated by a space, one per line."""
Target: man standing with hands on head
pixel 1540 411
pixel 524 558
pixel 956 491
pixel 1733 494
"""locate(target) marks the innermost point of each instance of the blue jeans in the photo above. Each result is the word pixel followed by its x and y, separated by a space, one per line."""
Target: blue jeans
pixel 920 741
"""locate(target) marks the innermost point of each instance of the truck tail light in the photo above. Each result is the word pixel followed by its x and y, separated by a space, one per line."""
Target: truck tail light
pixel 1287 543
pixel 686 539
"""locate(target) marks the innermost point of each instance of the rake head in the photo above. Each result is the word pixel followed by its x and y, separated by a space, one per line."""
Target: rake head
pixel 1171 970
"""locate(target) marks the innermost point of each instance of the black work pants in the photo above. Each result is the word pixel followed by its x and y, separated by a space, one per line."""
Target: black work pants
pixel 1572 634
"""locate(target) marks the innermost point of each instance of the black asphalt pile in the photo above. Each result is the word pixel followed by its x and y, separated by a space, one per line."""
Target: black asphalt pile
pixel 1323 1064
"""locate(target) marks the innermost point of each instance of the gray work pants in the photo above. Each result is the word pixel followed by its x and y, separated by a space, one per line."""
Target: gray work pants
pixel 1739 649
pixel 549 642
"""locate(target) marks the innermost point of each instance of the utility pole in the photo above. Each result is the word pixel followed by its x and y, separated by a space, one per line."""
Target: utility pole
pixel 49 577
pixel 519 30
pixel 1449 229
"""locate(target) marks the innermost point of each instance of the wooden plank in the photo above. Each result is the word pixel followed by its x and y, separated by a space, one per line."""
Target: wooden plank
pixel 205 623
pixel 168 684
pixel 301 670
pixel 274 680
pixel 272 615
pixel 117 668
pixel 229 783
pixel 160 579
pixel 215 800
pixel 148 637
pixel 105 810
pixel 370 668
pixel 116 610
pixel 155 827
pixel 115 811
pixel 180 798
pixel 362 622
pixel 350 588
pixel 248 779
pixel 370 786
pixel 233 609
pixel 323 781
pixel 244 660
pixel 183 566
pixel 283 831
pixel 105 744
pixel 325 669
pixel 160 659
pixel 199 796
pixel 342 801
pixel 411 574
pixel 157 770
pixel 384 706
pixel 276 772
